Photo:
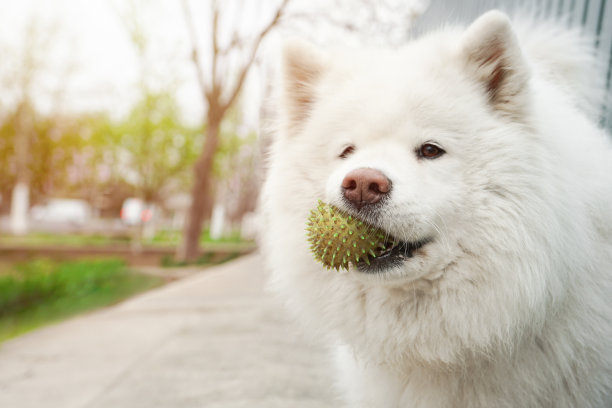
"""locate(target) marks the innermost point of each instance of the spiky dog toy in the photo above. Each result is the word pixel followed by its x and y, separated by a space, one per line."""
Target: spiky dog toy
pixel 338 239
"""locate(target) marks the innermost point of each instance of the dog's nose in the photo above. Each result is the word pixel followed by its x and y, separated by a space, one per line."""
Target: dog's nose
pixel 365 186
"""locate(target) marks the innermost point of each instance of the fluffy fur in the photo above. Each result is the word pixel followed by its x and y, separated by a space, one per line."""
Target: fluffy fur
pixel 509 304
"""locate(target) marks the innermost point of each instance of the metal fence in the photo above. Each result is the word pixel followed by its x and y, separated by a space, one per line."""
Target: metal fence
pixel 594 16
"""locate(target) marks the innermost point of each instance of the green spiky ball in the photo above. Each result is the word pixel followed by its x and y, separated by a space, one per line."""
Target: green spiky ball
pixel 338 239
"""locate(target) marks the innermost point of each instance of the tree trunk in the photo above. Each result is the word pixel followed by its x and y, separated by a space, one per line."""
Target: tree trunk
pixel 202 197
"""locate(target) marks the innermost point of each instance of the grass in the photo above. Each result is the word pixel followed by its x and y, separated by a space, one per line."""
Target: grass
pixel 62 239
pixel 174 237
pixel 40 292
pixel 208 258
pixel 162 238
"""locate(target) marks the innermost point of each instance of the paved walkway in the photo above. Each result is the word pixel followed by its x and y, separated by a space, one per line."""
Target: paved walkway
pixel 214 339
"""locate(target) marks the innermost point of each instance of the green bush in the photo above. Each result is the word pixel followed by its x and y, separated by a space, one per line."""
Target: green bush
pixel 37 292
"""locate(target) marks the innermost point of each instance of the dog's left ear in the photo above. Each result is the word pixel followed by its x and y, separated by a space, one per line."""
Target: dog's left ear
pixel 492 53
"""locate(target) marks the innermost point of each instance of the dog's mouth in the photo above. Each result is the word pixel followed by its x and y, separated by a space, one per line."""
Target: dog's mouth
pixel 392 254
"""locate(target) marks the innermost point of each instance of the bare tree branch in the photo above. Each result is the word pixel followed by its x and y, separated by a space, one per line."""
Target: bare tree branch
pixel 334 22
pixel 215 45
pixel 236 42
pixel 245 69
pixel 204 87
pixel 202 191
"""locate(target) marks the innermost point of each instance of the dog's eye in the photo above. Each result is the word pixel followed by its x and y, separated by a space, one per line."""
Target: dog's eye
pixel 430 151
pixel 348 149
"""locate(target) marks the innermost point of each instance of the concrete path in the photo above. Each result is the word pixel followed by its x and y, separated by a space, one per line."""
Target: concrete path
pixel 214 339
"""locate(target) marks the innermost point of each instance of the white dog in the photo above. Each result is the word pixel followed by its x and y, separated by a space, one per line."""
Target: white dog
pixel 475 149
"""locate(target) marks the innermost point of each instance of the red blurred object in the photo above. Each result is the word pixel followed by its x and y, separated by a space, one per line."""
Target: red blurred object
pixel 135 211
pixel 146 215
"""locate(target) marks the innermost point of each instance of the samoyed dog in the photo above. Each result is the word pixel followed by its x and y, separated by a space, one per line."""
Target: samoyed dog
pixel 476 149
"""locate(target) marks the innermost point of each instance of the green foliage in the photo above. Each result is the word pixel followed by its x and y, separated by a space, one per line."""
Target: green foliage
pixel 7 156
pixel 58 153
pixel 63 158
pixel 149 152
pixel 156 146
pixel 38 292
pixel 206 258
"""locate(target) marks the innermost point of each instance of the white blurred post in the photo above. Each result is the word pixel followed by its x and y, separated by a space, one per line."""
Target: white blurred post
pixel 20 204
pixel 217 222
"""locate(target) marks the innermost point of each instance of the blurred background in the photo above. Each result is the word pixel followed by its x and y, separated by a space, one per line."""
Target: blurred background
pixel 133 133
pixel 133 136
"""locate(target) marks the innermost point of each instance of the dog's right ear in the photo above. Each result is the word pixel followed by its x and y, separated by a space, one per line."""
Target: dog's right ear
pixel 303 66
pixel 492 54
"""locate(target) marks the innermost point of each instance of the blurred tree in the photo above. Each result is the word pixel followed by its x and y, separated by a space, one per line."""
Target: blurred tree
pixel 8 164
pixel 23 77
pixel 147 153
pixel 243 183
pixel 358 22
pixel 22 84
pixel 235 169
pixel 219 94
pixel 154 149
pixel 55 144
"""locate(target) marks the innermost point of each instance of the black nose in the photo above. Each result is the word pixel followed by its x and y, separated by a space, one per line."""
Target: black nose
pixel 365 186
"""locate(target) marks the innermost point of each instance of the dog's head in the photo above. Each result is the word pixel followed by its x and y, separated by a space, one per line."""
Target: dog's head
pixel 421 141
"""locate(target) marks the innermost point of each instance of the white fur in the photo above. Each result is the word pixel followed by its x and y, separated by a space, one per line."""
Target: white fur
pixel 509 305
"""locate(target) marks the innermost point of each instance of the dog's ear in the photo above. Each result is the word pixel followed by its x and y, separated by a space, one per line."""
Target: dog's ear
pixel 303 66
pixel 492 53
